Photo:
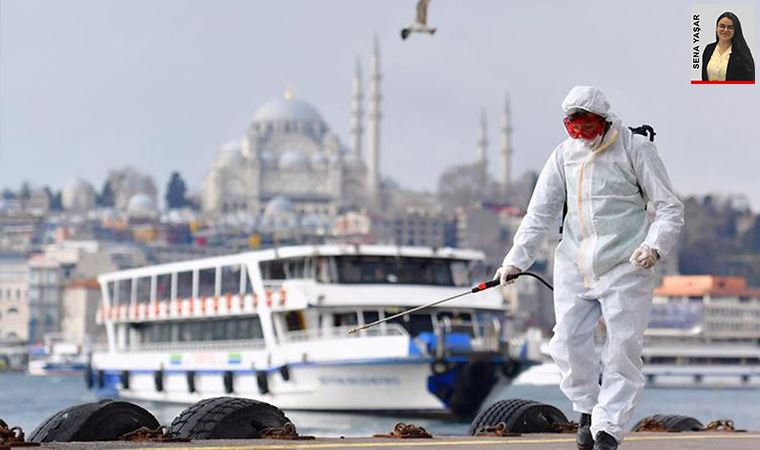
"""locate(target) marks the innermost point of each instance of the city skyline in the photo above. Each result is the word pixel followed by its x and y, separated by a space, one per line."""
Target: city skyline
pixel 134 80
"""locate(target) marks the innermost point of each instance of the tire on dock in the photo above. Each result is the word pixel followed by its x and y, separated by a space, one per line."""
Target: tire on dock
pixel 227 418
pixel 105 420
pixel 519 416
pixel 671 422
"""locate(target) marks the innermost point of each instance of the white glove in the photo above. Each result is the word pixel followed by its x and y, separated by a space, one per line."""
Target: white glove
pixel 505 271
pixel 644 257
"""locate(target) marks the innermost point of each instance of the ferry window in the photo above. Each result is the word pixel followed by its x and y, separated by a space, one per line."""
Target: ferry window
pixel 345 319
pixel 184 284
pixel 388 269
pixel 125 291
pixel 250 328
pixel 185 331
pixel 272 270
pixel 143 290
pixel 294 321
pixel 231 329
pixel 461 322
pixel 247 285
pixel 370 316
pixel 414 324
pixel 322 269
pixel 206 283
pixel 231 280
pixel 218 329
pixel 110 289
pixel 206 332
pixel 294 268
pixel 163 287
pixel 460 273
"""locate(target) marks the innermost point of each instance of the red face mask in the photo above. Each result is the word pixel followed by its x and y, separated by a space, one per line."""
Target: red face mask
pixel 584 125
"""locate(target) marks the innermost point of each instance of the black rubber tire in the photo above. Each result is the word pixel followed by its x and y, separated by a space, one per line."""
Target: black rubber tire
pixel 473 384
pixel 106 420
pixel 520 416
pixel 674 422
pixel 227 418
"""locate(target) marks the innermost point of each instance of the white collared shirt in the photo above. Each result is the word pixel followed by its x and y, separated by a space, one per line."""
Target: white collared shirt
pixel 716 68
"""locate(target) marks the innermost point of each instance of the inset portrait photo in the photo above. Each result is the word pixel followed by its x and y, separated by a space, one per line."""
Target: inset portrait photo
pixel 722 42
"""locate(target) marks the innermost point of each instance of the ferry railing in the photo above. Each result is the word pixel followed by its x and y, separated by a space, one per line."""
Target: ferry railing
pixel 197 345
pixel 319 334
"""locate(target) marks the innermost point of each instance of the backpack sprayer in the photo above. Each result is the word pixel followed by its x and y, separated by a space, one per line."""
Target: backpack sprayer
pixel 480 287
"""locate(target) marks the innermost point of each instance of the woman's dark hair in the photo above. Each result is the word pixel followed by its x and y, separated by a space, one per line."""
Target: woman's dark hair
pixel 738 43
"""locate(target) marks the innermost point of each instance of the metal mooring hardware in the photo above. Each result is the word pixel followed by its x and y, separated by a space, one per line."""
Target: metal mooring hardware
pixel 653 425
pixel 13 437
pixel 406 431
pixel 565 427
pixel 721 425
pixel 498 430
pixel 286 432
pixel 145 434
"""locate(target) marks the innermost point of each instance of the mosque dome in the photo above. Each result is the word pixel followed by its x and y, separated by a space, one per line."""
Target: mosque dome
pixel 293 159
pixel 78 195
pixel 287 109
pixel 279 212
pixel 141 205
pixel 267 159
pixel 230 155
pixel 319 159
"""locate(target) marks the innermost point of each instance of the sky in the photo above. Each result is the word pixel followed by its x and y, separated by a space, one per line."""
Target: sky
pixel 88 86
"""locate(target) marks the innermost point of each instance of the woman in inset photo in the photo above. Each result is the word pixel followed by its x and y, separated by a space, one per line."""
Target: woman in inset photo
pixel 728 58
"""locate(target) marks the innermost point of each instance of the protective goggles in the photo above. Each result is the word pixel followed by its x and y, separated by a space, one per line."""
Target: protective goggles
pixel 584 125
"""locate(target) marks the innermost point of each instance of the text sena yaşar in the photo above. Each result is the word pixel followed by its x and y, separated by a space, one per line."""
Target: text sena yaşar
pixel 695 40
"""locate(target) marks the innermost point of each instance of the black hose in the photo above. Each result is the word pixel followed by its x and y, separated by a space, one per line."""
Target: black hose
pixel 495 282
pixel 536 276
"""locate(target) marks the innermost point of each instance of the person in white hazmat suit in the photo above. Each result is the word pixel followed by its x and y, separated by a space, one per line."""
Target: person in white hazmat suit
pixel 605 175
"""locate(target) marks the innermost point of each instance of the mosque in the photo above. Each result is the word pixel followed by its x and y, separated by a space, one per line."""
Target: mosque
pixel 290 160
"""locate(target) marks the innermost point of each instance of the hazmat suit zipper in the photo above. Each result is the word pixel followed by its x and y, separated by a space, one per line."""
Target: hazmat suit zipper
pixel 586 227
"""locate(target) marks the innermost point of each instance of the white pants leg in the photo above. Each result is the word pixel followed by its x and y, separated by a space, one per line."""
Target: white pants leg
pixel 572 346
pixel 625 295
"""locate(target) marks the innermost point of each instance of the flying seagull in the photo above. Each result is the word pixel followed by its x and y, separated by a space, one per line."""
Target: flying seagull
pixel 420 22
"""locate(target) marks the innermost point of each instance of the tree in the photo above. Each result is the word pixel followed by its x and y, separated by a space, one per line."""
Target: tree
pixel 106 197
pixel 175 192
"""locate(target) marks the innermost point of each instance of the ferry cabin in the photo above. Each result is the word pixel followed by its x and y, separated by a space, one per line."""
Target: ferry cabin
pixel 282 314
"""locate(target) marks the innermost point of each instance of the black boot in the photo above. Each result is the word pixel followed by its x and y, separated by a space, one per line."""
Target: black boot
pixel 605 442
pixel 584 439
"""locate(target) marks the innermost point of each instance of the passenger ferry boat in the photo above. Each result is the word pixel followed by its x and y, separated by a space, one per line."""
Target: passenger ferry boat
pixel 57 357
pixel 273 324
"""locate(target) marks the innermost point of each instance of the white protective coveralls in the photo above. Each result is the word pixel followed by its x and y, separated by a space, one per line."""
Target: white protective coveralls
pixel 606 188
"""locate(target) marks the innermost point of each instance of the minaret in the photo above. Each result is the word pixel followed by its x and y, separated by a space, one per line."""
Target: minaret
pixel 505 169
pixel 483 149
pixel 356 111
pixel 373 125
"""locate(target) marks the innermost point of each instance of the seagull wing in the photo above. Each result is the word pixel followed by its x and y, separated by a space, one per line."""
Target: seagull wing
pixel 422 6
